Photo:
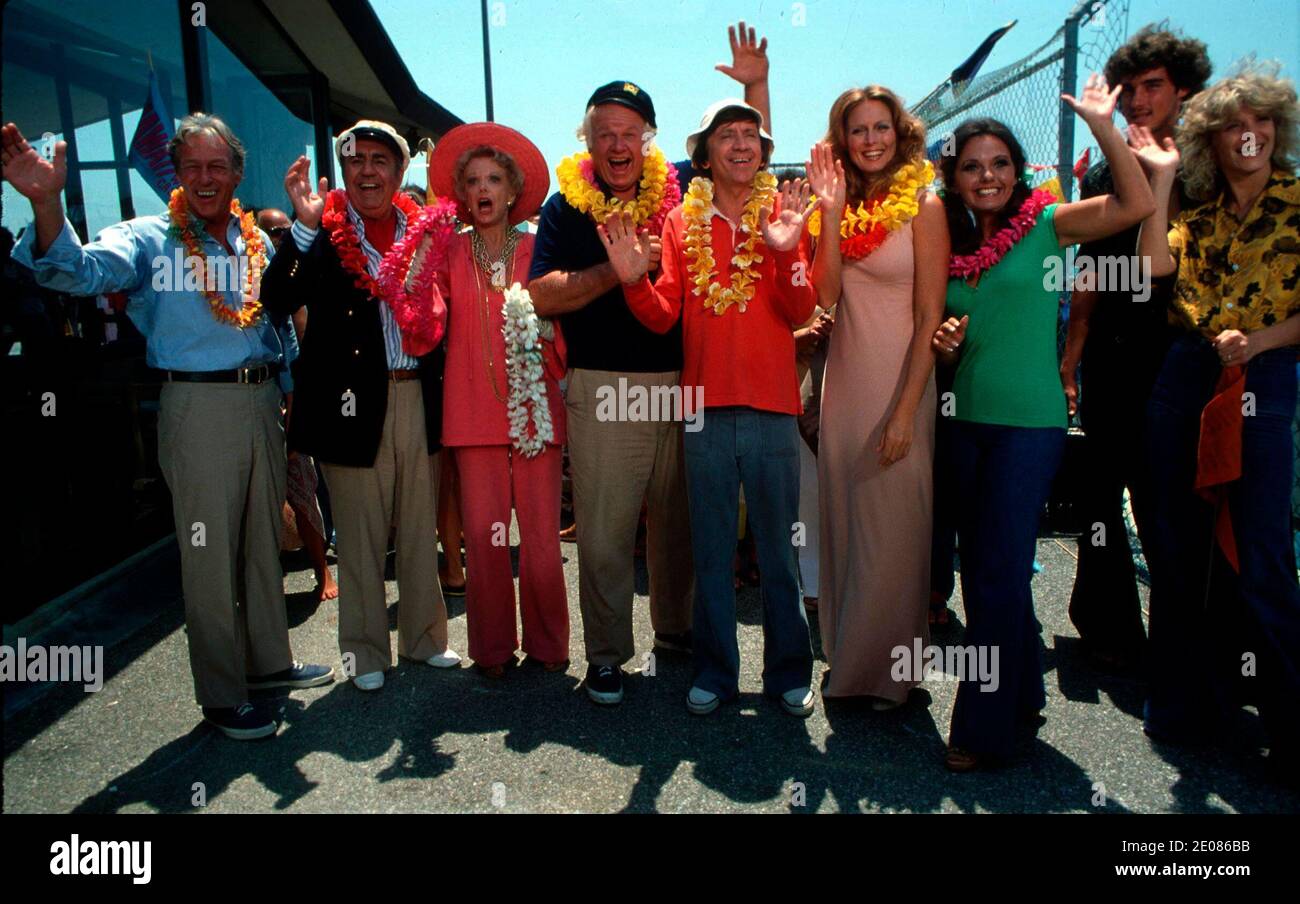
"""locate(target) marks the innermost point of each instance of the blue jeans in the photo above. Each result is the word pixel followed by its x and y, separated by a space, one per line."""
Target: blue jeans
pixel 760 450
pixel 1187 697
pixel 1002 477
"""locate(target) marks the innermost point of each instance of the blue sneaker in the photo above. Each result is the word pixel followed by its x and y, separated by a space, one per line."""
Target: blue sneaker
pixel 297 675
pixel 244 722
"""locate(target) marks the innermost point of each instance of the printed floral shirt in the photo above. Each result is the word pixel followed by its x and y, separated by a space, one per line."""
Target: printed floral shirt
pixel 1234 274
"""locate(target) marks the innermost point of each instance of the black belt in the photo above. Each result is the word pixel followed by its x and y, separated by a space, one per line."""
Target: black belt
pixel 259 373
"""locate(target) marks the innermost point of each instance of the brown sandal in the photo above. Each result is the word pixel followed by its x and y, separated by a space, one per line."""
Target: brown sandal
pixel 958 760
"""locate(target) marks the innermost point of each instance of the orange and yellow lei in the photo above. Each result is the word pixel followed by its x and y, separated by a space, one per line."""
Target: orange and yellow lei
pixel 188 234
pixel 699 243
pixel 864 230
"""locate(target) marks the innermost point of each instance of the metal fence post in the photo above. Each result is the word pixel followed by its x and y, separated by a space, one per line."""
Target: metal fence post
pixel 1069 80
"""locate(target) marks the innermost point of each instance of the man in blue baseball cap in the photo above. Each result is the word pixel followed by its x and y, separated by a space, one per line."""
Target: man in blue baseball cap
pixel 617 464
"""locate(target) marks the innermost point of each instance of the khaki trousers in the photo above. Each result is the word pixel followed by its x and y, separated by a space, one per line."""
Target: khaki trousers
pixel 221 450
pixel 400 489
pixel 615 465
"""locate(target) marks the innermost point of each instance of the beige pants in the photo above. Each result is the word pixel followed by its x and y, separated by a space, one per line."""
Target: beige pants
pixel 615 465
pixel 221 449
pixel 401 489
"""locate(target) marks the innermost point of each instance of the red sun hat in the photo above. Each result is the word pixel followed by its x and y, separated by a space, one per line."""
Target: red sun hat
pixel 537 178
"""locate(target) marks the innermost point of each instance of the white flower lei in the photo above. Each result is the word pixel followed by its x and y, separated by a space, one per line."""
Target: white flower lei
pixel 525 373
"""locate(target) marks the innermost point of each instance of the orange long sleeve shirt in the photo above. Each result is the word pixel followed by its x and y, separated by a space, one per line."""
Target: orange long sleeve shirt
pixel 744 359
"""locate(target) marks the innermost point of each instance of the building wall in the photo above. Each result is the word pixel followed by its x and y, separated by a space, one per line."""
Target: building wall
pixel 82 488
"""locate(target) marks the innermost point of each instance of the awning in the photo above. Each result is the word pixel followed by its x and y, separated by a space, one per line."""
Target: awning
pixel 345 42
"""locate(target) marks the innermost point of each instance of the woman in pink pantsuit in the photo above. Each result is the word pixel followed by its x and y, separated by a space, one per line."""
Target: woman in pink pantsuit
pixel 499 179
pixel 876 443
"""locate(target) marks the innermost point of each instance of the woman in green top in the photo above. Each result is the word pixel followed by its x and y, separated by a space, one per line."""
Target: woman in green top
pixel 1008 407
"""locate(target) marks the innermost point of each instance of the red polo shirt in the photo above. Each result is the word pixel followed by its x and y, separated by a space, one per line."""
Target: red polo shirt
pixel 739 358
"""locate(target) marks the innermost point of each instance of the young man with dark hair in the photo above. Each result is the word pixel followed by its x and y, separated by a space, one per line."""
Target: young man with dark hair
pixel 1120 333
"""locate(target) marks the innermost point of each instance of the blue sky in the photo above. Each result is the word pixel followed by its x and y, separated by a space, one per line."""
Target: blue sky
pixel 548 55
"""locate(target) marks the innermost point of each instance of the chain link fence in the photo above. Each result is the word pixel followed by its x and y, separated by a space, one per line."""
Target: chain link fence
pixel 1026 94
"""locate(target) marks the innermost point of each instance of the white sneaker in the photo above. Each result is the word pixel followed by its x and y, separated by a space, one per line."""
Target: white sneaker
pixel 447 659
pixel 370 681
pixel 701 702
pixel 798 701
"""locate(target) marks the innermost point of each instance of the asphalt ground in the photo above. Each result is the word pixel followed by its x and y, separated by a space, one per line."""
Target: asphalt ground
pixel 452 741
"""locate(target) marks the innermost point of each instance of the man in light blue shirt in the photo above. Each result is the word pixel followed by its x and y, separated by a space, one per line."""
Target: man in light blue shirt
pixel 220 438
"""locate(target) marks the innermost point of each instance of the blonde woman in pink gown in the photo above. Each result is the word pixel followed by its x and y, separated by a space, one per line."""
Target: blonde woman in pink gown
pixel 878 397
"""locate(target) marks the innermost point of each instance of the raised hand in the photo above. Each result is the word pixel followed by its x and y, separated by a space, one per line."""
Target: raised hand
pixel 826 178
pixel 748 56
pixel 308 205
pixel 35 178
pixel 950 335
pixel 782 234
pixel 1156 157
pixel 1097 106
pixel 629 253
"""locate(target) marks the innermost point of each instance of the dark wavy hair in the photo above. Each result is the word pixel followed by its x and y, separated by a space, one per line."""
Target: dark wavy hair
pixel 962 228
pixel 1185 59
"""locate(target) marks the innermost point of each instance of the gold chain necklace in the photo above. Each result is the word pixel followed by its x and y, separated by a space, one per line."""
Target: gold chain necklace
pixel 495 270
pixel 490 270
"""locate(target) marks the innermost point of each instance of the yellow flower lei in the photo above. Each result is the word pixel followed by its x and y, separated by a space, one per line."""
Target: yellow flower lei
pixel 897 209
pixel 589 199
pixel 699 243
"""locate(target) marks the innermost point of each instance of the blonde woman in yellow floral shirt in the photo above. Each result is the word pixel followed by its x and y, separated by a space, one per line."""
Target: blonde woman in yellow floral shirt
pixel 1237 260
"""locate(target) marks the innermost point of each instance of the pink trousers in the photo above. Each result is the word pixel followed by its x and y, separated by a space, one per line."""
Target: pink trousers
pixel 492 477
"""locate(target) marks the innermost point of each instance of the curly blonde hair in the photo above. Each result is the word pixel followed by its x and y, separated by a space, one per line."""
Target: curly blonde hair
pixel 1258 87
pixel 909 146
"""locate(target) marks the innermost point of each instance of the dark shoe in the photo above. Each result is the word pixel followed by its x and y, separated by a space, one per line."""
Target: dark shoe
pixel 556 666
pixel 297 675
pixel 243 722
pixel 449 590
pixel 676 643
pixel 605 684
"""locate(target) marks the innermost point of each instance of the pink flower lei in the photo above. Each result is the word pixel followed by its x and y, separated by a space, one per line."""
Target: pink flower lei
pixel 419 319
pixel 963 266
